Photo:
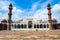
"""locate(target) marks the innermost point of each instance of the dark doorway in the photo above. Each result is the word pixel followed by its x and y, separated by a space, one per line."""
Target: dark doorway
pixel 44 26
pixel 4 26
pixel 25 26
pixel 18 26
pixel 34 25
pixel 37 25
pixel 29 24
pixel 40 25
pixel 21 25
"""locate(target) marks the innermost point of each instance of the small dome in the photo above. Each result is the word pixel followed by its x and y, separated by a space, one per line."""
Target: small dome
pixel 20 19
pixel 54 20
pixel 4 21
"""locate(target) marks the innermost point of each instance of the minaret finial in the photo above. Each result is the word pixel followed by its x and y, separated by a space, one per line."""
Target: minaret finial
pixel 10 5
pixel 48 4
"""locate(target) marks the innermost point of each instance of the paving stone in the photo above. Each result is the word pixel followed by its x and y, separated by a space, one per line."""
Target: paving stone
pixel 30 35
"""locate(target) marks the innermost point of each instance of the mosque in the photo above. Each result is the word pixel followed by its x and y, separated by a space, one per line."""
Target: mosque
pixel 29 23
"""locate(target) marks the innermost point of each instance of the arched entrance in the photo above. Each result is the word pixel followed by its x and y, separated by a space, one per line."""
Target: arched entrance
pixel 29 24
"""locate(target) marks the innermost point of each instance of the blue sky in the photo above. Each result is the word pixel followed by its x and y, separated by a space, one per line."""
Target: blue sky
pixel 28 3
pixel 35 8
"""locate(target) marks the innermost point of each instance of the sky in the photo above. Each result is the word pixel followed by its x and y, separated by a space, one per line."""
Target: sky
pixel 34 8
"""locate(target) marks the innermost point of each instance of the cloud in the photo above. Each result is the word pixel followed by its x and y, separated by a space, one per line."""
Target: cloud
pixel 16 13
pixel 40 14
pixel 56 8
pixel 32 9
pixel 56 11
pixel 38 10
pixel 4 11
pixel 3 5
pixel 43 13
pixel 34 6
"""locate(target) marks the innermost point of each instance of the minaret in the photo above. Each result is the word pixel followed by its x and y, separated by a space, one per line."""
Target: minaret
pixel 49 17
pixel 9 17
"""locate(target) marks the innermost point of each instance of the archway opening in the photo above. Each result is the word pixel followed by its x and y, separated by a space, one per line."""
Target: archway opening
pixel 29 24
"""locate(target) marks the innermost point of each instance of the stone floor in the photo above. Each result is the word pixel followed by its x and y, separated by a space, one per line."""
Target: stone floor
pixel 30 35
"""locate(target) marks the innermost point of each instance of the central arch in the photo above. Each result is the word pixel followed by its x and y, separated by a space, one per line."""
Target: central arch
pixel 29 24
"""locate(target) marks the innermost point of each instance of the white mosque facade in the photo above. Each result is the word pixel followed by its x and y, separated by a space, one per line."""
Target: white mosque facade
pixel 30 24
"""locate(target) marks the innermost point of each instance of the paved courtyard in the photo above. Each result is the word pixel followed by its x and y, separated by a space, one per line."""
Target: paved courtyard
pixel 30 35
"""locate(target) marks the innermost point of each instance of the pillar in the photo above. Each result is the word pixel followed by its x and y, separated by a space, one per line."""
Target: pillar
pixel 49 17
pixel 9 17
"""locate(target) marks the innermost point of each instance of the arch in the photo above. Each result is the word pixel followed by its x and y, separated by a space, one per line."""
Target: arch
pixel 37 25
pixel 15 25
pixel 21 25
pixel 54 26
pixel 25 26
pixel 18 25
pixel 34 25
pixel 29 24
pixel 40 25
pixel 12 26
pixel 44 26
pixel 47 25
pixel 4 26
